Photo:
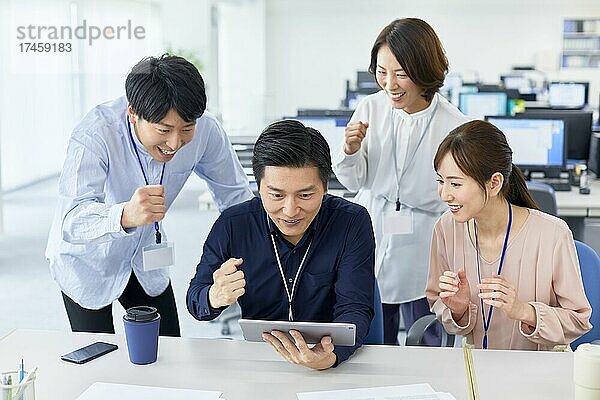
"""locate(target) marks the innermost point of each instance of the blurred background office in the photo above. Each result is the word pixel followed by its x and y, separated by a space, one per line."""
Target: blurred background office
pixel 264 60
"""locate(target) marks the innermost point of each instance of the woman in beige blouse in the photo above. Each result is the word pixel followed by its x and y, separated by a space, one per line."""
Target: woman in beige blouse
pixel 497 262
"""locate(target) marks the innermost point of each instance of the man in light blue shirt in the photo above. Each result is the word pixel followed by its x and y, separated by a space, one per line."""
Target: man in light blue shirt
pixel 127 161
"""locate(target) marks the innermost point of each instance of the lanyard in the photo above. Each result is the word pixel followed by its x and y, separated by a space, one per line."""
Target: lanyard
pixel 412 158
pixel 290 295
pixel 488 320
pixel 162 174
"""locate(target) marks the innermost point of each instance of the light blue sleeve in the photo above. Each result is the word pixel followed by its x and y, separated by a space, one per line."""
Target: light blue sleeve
pixel 86 219
pixel 221 169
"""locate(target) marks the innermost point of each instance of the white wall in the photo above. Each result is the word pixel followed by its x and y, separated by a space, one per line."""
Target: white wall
pixel 313 46
pixel 242 70
pixel 274 57
pixel 103 66
pixel 36 98
pixel 185 25
pixel 43 96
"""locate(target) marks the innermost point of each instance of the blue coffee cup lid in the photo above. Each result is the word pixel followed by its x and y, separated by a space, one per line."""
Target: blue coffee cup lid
pixel 141 314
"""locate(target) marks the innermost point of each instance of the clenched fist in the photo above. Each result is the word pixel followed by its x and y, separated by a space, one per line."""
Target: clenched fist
pixel 355 133
pixel 147 205
pixel 229 284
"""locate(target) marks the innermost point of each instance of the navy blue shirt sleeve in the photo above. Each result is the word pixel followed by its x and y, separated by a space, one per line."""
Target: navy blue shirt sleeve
pixel 216 252
pixel 355 283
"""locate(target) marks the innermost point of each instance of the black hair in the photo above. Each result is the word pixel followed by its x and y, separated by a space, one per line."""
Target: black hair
pixel 417 49
pixel 156 85
pixel 289 143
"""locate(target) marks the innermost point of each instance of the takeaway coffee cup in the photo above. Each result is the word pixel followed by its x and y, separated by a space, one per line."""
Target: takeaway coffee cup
pixel 142 325
pixel 586 372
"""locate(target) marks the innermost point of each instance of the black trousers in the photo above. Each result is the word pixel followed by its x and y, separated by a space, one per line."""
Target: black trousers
pixel 411 311
pixel 101 321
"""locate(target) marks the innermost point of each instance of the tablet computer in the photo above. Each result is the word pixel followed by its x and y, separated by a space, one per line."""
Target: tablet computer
pixel 342 334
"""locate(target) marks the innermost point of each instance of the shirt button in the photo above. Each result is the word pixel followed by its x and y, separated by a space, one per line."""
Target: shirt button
pixel 290 280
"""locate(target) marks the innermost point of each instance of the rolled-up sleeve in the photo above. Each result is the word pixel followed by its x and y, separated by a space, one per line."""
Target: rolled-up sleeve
pixel 86 218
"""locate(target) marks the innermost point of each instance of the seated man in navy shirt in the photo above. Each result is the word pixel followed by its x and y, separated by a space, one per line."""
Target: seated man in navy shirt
pixel 295 253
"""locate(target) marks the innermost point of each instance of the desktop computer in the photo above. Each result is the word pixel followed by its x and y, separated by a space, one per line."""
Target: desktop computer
pixel 521 85
pixel 539 147
pixel 481 104
pixel 366 80
pixel 341 114
pixel 332 125
pixel 594 163
pixel 516 82
pixel 579 127
pixel 568 94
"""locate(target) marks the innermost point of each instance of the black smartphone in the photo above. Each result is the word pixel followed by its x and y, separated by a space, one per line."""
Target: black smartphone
pixel 89 352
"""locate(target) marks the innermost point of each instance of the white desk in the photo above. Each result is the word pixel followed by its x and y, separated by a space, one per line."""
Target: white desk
pixel 573 204
pixel 243 370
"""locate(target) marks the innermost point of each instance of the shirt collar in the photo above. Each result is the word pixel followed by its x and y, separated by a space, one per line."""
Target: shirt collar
pixel 421 114
pixel 141 148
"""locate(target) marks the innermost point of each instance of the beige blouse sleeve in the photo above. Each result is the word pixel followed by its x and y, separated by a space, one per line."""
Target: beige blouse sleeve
pixel 438 263
pixel 567 320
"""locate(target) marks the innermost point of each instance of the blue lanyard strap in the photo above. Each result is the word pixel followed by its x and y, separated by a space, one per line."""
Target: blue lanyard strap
pixel 487 321
pixel 162 174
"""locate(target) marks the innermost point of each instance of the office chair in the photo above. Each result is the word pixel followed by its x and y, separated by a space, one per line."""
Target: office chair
pixel 415 334
pixel 589 263
pixel 375 335
pixel 229 315
pixel 543 194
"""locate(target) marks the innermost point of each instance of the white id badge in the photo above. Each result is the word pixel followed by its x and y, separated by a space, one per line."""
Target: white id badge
pixel 398 222
pixel 158 256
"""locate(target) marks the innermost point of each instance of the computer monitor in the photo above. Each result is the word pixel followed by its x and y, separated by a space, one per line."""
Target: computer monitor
pixel 579 128
pixel 479 105
pixel 332 128
pixel 568 94
pixel 365 80
pixel 322 112
pixel 538 143
pixel 518 82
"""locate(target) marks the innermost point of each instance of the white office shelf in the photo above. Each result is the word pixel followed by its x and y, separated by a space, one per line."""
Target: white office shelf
pixel 581 43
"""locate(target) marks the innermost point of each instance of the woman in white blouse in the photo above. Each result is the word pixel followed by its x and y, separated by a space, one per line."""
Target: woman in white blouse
pixel 387 157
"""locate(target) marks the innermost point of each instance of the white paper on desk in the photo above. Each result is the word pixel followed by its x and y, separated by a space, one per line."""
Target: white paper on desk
pixel 103 391
pixel 420 391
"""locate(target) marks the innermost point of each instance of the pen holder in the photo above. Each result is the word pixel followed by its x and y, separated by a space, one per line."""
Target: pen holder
pixel 16 390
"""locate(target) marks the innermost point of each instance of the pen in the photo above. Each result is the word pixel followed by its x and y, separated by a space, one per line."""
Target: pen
pixel 9 390
pixel 20 391
pixel 21 371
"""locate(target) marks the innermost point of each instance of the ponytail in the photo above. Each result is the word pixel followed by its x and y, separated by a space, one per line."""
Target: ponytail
pixel 518 194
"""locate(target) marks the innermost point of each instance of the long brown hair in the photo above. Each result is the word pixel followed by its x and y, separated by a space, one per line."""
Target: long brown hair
pixel 480 150
pixel 417 49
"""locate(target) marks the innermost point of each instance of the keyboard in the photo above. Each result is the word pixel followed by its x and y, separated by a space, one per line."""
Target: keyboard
pixel 558 184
